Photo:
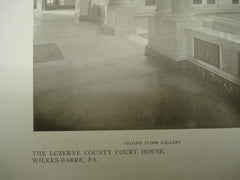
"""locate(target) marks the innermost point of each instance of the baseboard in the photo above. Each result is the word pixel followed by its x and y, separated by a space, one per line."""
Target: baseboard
pixel 230 85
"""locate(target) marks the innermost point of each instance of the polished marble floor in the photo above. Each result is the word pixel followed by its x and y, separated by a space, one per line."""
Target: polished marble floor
pixel 107 83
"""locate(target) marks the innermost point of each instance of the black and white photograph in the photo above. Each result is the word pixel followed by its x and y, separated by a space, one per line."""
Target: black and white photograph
pixel 136 64
pixel 120 89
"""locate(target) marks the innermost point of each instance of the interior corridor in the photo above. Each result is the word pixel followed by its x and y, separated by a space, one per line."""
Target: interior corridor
pixel 85 79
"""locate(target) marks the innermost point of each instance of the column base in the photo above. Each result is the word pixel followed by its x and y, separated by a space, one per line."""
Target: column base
pixel 84 18
pixel 119 31
pixel 166 52
pixel 119 20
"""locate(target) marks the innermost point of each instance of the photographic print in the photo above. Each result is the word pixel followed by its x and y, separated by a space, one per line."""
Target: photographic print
pixel 136 64
pixel 119 89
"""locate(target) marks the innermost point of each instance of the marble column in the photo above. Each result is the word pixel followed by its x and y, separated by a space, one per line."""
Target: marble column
pixel 84 8
pixel 167 28
pixel 183 6
pixel 77 8
pixel 164 6
pixel 40 6
pixel 119 18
